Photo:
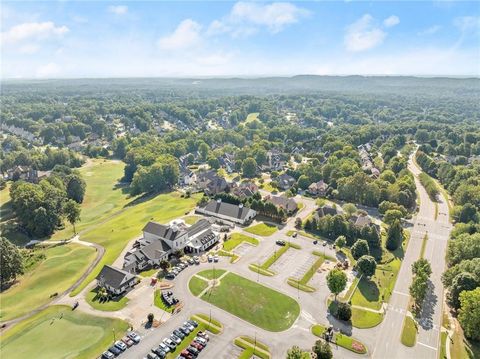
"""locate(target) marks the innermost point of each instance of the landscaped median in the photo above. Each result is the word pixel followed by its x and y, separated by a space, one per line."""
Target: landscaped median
pixel 302 284
pixel 341 340
pixel 253 302
pixel 252 347
pixel 361 318
pixel 263 269
pixel 108 305
pixel 409 332
pixel 236 239
pixel 212 325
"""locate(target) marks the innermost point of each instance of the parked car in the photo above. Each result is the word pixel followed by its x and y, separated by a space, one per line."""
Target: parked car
pixel 121 345
pixel 197 346
pixel 175 339
pixel 170 275
pixel 129 342
pixel 134 336
pixel 107 355
pixel 294 235
pixel 170 344
pixel 160 352
pixel 203 335
pixel 215 258
pixel 196 260
pixel 179 333
pixel 189 326
pixel 192 322
pixel 325 243
pixel 200 340
pixel 114 350
pixel 186 354
pixel 210 258
pixel 193 350
pixel 191 261
pixel 152 356
pixel 164 347
pixel 280 242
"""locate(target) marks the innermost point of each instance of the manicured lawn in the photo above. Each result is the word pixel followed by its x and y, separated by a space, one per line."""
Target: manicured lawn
pixel 157 300
pixel 409 332
pixel 253 302
pixel 233 256
pixel 262 229
pixel 115 233
pixel 149 273
pixel 75 335
pixel 191 219
pixel 263 269
pixel 370 293
pixel 61 268
pixel 268 187
pixel 342 340
pixel 361 318
pixel 108 306
pixel 211 274
pixel 197 285
pixel 236 239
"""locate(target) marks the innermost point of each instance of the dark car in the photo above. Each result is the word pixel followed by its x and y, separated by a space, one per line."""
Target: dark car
pixel 186 354
pixel 170 276
pixel 280 243
pixel 185 330
pixel 179 333
pixel 114 350
pixel 160 352
pixel 193 351
pixel 192 322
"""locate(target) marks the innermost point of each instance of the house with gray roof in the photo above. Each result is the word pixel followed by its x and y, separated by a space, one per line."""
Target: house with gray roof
pixel 287 204
pixel 236 213
pixel 115 280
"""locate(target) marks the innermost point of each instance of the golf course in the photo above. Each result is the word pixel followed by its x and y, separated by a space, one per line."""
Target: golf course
pixel 59 332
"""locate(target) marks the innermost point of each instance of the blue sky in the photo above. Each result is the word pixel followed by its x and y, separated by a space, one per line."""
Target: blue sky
pixel 138 39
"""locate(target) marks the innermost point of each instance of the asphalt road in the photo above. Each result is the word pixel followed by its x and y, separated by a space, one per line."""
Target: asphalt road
pixel 437 229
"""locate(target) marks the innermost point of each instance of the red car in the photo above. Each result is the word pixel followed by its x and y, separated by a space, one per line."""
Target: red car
pixel 129 342
pixel 186 354
pixel 197 346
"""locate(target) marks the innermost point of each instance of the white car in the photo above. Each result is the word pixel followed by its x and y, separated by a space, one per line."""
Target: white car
pixel 164 347
pixel 121 345
pixel 200 340
pixel 134 336
pixel 210 258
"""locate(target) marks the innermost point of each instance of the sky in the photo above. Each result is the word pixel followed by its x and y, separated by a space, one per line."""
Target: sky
pixel 76 39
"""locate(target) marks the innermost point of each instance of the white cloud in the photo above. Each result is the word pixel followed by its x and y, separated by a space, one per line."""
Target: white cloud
pixel 49 70
pixel 391 21
pixel 186 34
pixel 118 9
pixel 467 23
pixel 28 49
pixel 33 31
pixel 431 30
pixel 246 18
pixel 363 34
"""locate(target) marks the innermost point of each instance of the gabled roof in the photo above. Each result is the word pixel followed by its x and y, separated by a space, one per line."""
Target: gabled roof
pixel 325 211
pixel 114 277
pixel 227 209
pixel 163 231
pixel 284 202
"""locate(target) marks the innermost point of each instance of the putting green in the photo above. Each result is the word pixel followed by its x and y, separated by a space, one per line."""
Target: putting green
pixel 59 332
pixel 264 307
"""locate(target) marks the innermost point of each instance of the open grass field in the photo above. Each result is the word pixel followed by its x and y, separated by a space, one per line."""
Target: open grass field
pixel 253 302
pixel 262 229
pixel 340 339
pixel 409 332
pixel 197 285
pixel 370 293
pixel 59 332
pixel 236 239
pixel 211 274
pixel 108 306
pixel 115 233
pixel 62 266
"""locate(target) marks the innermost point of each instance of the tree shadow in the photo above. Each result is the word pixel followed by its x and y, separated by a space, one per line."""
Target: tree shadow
pixel 428 307
pixel 340 325
pixel 369 290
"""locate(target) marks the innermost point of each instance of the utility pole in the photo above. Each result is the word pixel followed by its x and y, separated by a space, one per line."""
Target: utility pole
pixel 114 339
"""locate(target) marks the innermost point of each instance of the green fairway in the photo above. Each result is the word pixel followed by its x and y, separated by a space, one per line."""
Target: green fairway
pixel 61 268
pixel 108 306
pixel 115 233
pixel 262 229
pixel 236 239
pixel 59 332
pixel 253 302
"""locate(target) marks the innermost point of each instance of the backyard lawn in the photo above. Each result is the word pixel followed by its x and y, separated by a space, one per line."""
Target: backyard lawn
pixel 108 306
pixel 236 239
pixel 59 332
pixel 253 302
pixel 60 269
pixel 115 233
pixel 262 229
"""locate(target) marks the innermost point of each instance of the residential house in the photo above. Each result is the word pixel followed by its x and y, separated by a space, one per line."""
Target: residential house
pixel 325 210
pixel 211 183
pixel 285 181
pixel 245 189
pixel 26 173
pixel 318 188
pixel 287 204
pixel 363 220
pixel 227 211
pixel 115 280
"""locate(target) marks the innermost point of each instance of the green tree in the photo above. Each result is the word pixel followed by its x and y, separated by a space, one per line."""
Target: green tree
pixel 336 281
pixel 469 314
pixel 295 353
pixel 322 349
pixel 360 248
pixel 11 262
pixel 366 265
pixel 303 182
pixel 249 167
pixel 463 281
pixel 344 311
pixel 394 235
pixel 421 267
pixel 391 216
pixel 164 265
pixel 72 212
pixel 204 150
pixel 340 242
pixel 76 187
pixel 349 208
